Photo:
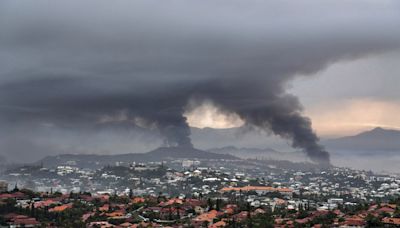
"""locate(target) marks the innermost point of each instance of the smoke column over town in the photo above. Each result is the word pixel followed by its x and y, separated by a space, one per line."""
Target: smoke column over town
pixel 80 64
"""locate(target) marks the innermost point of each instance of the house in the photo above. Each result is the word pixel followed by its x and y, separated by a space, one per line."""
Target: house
pixel 45 203
pixel 15 195
pixel 206 218
pixel 24 222
pixel 102 224
pixel 137 200
pixel 218 224
pixel 386 209
pixel 229 211
pixel 259 211
pixel 171 202
pixel 260 190
pixel 16 220
pixel 115 214
pixel 60 208
pixel 354 221
pixel 391 221
pixel 280 202
pixel 104 208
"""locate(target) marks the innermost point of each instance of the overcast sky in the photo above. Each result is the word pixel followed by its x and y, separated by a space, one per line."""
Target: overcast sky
pixel 353 96
pixel 289 68
pixel 346 98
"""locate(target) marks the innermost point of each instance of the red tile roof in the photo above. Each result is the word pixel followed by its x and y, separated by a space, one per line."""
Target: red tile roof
pixel 392 221
pixel 26 222
pixel 386 210
pixel 208 217
pixel 60 208
pixel 354 221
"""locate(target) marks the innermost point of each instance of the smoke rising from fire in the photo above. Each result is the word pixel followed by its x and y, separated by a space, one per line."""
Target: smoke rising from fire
pixel 71 64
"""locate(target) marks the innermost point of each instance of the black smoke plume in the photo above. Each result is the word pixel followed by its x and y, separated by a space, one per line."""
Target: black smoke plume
pixel 78 64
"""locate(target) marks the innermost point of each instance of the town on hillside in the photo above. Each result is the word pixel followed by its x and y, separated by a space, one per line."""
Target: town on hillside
pixel 184 193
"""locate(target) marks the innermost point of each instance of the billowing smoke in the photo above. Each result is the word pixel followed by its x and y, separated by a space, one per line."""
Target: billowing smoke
pixel 79 64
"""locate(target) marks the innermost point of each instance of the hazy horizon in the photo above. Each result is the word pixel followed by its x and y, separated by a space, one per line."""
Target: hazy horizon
pixel 110 77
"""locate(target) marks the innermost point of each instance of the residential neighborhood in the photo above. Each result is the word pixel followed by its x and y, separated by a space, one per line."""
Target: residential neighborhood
pixel 154 195
pixel 199 114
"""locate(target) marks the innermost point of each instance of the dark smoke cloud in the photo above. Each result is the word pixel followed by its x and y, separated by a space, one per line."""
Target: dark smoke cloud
pixel 79 64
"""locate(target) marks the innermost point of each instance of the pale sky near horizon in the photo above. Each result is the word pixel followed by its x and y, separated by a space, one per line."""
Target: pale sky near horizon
pixel 127 73
pixel 344 99
pixel 350 97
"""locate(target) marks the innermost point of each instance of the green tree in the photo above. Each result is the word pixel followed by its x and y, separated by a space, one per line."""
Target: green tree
pixel 373 221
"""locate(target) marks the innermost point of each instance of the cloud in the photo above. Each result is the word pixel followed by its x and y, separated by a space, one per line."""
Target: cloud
pixel 74 62
pixel 208 115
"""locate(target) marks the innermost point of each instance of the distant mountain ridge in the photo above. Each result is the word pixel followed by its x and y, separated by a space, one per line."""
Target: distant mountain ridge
pixel 377 139
pixel 157 155
pixel 182 152
pixel 257 153
pixel 243 151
